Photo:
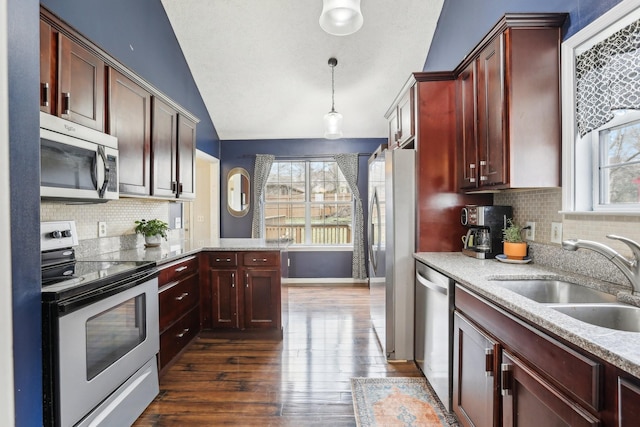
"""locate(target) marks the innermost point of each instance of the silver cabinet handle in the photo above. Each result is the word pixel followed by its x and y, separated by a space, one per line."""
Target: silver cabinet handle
pixel 220 259
pixel 488 362
pixel 256 260
pixel 45 94
pixel 181 297
pixel 472 172
pixel 181 334
pixel 67 102
pixel 483 177
pixel 233 280
pixel 183 268
pixel 247 277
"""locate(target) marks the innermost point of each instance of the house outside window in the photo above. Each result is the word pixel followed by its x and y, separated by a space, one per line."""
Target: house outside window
pixel 309 202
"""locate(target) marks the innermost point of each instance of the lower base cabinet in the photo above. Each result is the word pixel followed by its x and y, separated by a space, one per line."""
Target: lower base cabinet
pixel 241 290
pixel 507 372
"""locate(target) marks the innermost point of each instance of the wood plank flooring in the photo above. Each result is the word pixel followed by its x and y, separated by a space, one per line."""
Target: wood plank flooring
pixel 301 380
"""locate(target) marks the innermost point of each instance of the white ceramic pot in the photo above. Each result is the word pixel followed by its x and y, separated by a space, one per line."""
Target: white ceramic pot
pixel 152 240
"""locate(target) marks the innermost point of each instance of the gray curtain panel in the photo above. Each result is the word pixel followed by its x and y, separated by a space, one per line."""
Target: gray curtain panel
pixel 608 78
pixel 260 175
pixel 348 164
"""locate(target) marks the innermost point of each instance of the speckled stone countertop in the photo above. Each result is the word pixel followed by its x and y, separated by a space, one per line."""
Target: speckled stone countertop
pixel 621 349
pixel 173 250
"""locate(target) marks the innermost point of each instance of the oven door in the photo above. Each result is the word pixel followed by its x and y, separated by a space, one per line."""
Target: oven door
pixel 103 344
pixel 72 168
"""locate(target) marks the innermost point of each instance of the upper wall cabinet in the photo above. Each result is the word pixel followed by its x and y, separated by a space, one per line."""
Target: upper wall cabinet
pixel 156 136
pixel 173 153
pixel 508 106
pixel 130 121
pixel 401 118
pixel 72 83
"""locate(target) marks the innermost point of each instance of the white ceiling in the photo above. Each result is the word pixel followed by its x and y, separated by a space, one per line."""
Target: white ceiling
pixel 261 65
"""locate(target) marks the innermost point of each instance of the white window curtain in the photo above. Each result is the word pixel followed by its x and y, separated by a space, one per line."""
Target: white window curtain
pixel 260 176
pixel 348 164
pixel 608 78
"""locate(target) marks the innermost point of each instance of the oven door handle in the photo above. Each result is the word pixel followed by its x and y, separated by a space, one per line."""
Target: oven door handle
pixel 79 301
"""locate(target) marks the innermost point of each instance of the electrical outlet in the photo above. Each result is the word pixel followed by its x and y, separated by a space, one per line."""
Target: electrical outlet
pixel 556 232
pixel 530 233
pixel 102 229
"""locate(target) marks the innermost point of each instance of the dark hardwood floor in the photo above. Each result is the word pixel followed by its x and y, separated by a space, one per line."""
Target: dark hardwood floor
pixel 301 380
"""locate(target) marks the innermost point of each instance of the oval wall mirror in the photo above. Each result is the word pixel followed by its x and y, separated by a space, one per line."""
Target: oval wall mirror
pixel 238 195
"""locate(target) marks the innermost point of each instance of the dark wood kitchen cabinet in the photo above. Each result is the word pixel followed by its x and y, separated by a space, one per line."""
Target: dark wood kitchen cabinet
pixel 72 79
pixel 508 373
pixel 242 290
pixel 401 118
pixel 439 201
pixel 130 121
pixel 173 153
pixel 508 106
pixel 179 308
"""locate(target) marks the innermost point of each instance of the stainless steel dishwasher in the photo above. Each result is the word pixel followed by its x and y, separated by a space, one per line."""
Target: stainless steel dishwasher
pixel 434 329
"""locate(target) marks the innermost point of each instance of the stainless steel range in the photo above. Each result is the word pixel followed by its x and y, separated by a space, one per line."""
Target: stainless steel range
pixel 100 334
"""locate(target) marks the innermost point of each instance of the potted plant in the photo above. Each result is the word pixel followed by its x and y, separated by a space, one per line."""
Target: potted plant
pixel 153 231
pixel 514 246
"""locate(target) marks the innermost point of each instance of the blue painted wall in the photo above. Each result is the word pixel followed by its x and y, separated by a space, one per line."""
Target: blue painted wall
pixel 139 35
pixel 463 23
pixel 242 154
pixel 24 166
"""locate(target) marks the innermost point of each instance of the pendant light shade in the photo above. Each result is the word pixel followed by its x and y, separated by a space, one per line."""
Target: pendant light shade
pixel 333 119
pixel 341 17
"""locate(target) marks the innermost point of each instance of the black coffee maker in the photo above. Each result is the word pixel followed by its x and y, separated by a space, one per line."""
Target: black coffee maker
pixel 484 235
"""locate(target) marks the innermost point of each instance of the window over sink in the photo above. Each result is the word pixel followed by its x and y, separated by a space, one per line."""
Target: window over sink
pixel 601 114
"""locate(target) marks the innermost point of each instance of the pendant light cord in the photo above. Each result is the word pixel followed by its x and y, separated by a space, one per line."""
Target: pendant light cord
pixel 332 63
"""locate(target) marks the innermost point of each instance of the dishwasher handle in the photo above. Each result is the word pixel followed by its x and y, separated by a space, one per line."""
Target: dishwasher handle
pixel 431 285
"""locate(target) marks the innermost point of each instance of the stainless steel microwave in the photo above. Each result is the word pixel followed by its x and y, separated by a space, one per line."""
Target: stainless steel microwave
pixel 77 163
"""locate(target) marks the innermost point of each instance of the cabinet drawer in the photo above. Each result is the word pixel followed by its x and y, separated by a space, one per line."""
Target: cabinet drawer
pixel 174 339
pixel 576 374
pixel 178 270
pixel 263 258
pixel 176 298
pixel 223 259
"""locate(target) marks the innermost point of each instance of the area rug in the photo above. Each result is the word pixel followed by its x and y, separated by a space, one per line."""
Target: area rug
pixel 395 401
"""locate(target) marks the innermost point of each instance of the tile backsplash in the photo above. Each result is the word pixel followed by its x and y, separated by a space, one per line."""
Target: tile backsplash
pixel 119 216
pixel 543 206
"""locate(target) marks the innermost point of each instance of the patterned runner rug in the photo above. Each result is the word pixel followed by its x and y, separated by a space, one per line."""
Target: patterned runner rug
pixel 387 402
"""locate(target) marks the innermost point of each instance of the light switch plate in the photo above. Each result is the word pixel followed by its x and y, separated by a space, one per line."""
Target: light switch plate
pixel 102 229
pixel 556 232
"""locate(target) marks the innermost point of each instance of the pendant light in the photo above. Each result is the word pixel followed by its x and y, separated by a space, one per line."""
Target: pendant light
pixel 341 17
pixel 333 119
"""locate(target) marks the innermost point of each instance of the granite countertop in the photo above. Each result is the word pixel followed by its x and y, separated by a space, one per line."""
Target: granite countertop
pixel 173 250
pixel 621 349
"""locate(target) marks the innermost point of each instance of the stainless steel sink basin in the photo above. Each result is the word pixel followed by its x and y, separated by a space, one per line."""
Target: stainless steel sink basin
pixel 555 291
pixel 620 317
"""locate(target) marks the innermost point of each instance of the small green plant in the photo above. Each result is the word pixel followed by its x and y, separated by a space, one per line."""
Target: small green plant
pixel 513 232
pixel 153 227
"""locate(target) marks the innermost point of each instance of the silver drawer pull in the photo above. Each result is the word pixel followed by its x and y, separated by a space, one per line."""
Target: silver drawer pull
pixel 179 269
pixel 181 334
pixel 181 297
pixel 263 260
pixel 220 259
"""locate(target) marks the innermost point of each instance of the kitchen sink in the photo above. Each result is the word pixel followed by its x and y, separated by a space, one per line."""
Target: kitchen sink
pixel 620 317
pixel 555 291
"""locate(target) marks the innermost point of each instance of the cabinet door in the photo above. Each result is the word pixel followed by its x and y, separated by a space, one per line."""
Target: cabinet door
pixel 475 380
pixel 528 400
pixel 164 149
pixel 81 97
pixel 130 121
pixel 224 298
pixel 393 129
pixel 48 48
pixel 466 119
pixel 628 403
pixel 186 158
pixel 405 118
pixel 262 298
pixel 491 143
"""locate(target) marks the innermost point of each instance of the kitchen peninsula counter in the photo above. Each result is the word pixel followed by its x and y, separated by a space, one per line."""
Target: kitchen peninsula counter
pixel 621 349
pixel 174 250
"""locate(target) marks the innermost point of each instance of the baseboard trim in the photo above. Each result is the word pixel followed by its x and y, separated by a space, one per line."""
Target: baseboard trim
pixel 325 281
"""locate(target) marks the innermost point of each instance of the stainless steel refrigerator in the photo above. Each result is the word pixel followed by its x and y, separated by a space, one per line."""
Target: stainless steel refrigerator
pixel 391 237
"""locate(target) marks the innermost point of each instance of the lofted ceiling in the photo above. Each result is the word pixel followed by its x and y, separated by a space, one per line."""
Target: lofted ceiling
pixel 261 65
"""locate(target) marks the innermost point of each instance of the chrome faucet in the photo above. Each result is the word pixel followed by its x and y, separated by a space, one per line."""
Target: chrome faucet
pixel 629 267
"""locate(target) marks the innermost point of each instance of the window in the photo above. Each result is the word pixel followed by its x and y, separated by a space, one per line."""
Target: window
pixel 308 202
pixel 617 171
